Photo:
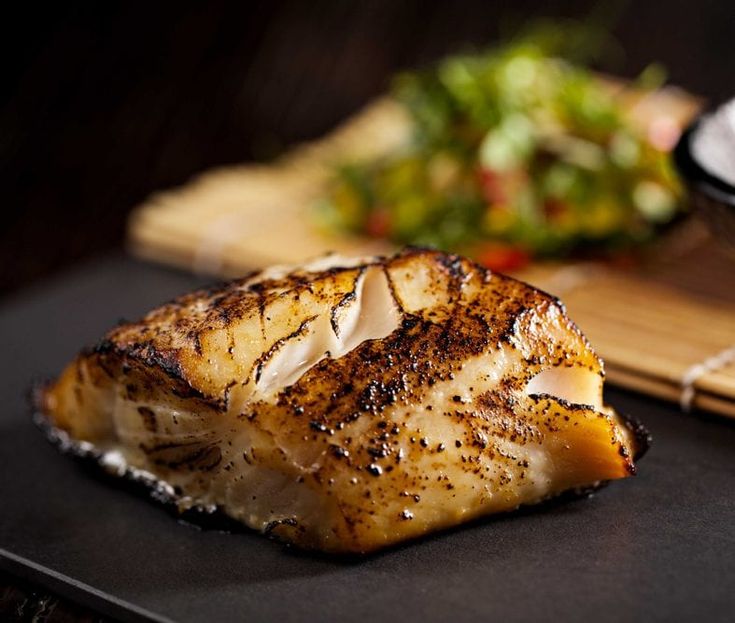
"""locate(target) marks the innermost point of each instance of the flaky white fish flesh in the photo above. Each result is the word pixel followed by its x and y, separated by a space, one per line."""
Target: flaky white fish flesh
pixel 351 404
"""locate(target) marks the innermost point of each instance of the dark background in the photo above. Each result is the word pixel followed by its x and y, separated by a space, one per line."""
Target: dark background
pixel 104 103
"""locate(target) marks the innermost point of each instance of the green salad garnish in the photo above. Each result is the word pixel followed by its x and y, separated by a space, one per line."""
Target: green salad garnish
pixel 516 153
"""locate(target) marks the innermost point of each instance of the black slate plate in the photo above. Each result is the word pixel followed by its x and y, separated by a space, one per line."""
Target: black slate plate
pixel 660 546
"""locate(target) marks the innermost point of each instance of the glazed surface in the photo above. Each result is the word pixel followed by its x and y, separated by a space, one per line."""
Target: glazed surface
pixel 352 404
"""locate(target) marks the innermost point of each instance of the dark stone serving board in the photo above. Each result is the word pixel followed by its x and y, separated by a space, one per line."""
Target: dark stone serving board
pixel 657 547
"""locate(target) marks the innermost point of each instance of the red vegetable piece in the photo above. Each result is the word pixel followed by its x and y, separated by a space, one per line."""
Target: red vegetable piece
pixel 377 223
pixel 502 257
pixel 492 186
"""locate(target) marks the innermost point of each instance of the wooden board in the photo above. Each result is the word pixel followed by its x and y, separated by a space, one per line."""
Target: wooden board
pixel 652 334
pixel 653 327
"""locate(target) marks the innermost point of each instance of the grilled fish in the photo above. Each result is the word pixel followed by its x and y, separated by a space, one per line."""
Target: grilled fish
pixel 350 404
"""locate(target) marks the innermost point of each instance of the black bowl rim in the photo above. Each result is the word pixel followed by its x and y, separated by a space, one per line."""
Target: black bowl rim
pixel 694 174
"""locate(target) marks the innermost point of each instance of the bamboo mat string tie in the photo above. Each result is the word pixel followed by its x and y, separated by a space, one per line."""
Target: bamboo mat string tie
pixel 695 372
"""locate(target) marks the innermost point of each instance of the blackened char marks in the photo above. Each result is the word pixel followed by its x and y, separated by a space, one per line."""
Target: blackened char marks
pixel 146 353
pixel 346 300
pixel 149 419
pixel 641 435
pixel 277 345
pixel 399 369
pixel 102 347
pixel 392 288
pixel 196 341
pixel 193 455
pixel 343 302
pixel 259 292
pixel 454 266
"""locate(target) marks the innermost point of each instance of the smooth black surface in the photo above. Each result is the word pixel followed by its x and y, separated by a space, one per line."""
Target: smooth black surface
pixel 658 547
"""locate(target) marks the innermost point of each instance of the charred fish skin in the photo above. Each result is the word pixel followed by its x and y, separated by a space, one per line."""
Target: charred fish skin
pixel 349 405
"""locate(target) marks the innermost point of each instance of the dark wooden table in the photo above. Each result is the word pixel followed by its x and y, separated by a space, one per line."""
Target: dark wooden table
pixel 23 601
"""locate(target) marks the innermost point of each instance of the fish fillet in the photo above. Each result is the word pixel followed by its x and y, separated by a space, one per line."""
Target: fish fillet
pixel 350 404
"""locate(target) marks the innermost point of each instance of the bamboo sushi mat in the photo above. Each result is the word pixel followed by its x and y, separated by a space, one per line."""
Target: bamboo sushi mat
pixel 666 329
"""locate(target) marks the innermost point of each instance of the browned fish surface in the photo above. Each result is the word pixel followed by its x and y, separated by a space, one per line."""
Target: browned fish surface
pixel 351 404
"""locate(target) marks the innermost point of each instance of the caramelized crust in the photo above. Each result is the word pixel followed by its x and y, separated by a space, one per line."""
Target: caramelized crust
pixel 348 407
